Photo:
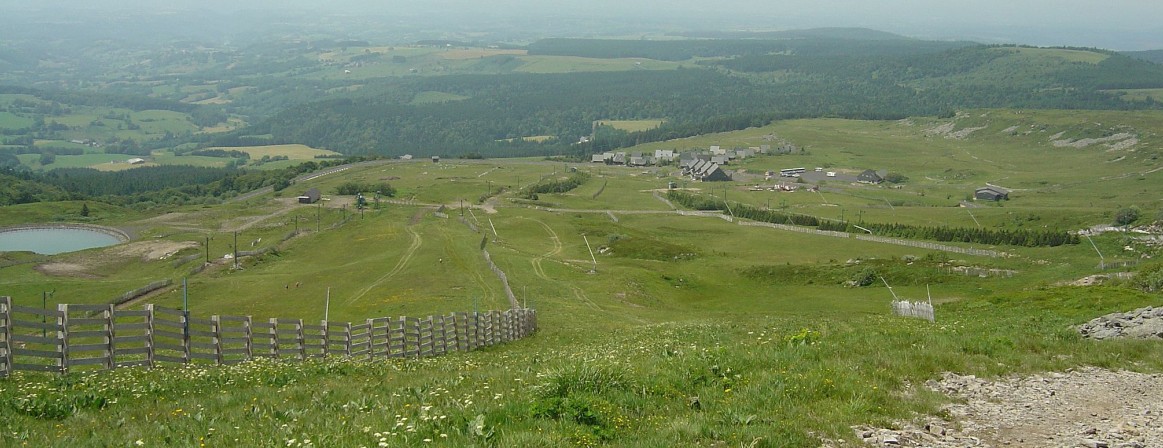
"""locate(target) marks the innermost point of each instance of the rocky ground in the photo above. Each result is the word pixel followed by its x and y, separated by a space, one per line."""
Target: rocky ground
pixel 1141 323
pixel 1088 407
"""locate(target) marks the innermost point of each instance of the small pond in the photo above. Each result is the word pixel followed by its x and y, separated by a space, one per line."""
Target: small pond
pixel 54 240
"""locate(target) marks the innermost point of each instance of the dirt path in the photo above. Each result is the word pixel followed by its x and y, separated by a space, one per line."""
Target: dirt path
pixel 400 265
pixel 536 261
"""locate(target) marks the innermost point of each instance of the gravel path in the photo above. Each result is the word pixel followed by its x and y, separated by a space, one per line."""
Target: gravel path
pixel 1088 407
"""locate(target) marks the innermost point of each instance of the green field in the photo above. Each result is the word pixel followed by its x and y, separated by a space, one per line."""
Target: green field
pixel 1140 94
pixel 569 64
pixel 686 331
pixel 1088 57
pixel 436 61
pixel 633 125
pixel 293 152
pixel 436 97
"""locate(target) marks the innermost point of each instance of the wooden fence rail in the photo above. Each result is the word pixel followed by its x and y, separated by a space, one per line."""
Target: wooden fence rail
pixel 92 337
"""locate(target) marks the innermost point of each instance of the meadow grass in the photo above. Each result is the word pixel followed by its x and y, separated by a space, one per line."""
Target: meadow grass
pixel 9 120
pixel 687 331
pixel 728 378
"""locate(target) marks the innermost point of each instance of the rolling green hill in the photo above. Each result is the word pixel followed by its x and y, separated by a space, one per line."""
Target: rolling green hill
pixel 1155 56
pixel 692 330
pixel 818 78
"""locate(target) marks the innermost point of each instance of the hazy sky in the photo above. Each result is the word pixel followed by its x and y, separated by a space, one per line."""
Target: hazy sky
pixel 1115 24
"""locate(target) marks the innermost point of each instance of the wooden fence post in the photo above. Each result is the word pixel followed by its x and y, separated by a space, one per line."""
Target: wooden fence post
pixel 300 339
pixel 496 320
pixel 401 334
pixel 475 329
pixel 216 338
pixel 347 339
pixel 6 333
pixel 150 348
pixel 248 335
pixel 438 340
pixel 326 336
pixel 110 332
pixel 370 338
pixel 186 348
pixel 427 337
pixel 451 341
pixel 63 336
pixel 274 333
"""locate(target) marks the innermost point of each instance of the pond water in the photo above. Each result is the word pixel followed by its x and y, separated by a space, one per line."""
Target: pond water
pixel 50 241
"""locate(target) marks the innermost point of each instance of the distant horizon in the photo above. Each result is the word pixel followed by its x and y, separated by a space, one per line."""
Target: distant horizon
pixel 1120 25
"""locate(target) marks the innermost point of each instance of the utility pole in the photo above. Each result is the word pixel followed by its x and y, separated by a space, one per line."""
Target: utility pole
pixel 207 246
pixel 235 249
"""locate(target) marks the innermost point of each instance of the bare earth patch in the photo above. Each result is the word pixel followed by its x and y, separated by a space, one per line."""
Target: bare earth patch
pixel 1088 407
pixel 1119 141
pixel 151 250
pixel 949 131
pixel 64 270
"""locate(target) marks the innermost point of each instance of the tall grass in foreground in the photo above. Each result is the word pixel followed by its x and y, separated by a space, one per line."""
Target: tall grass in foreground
pixel 724 380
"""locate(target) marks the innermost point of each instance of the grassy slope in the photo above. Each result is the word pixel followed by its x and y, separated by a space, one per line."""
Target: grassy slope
pixel 674 341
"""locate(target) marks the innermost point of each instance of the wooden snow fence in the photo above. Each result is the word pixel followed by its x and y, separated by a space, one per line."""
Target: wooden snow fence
pixel 923 310
pixel 96 337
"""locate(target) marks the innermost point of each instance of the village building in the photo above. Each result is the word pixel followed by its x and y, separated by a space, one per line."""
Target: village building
pixel 991 193
pixel 869 177
pixel 706 172
pixel 311 196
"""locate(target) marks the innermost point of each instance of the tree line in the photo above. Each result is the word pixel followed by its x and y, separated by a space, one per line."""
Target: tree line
pixel 554 185
pixel 149 187
pixel 1008 237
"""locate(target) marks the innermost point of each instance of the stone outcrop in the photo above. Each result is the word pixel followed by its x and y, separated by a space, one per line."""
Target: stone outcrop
pixel 1143 323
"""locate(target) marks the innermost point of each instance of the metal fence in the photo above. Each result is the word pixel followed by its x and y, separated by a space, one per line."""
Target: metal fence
pixel 80 337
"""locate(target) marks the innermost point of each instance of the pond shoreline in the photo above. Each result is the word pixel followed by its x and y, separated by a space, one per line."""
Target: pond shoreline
pixel 121 235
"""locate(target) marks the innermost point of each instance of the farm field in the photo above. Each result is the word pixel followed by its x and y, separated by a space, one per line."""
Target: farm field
pixel 293 152
pixel 656 328
pixel 632 125
pixel 374 62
